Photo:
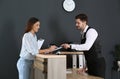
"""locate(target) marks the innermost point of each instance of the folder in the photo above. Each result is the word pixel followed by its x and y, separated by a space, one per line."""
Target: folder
pixel 40 43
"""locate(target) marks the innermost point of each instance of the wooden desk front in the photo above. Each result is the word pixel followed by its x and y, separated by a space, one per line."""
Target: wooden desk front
pixel 50 67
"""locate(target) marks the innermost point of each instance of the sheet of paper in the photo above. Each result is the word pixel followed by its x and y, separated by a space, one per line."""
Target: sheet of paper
pixel 40 43
pixel 58 48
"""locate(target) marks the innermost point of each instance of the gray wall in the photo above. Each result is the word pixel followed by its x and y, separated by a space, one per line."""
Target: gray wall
pixel 57 26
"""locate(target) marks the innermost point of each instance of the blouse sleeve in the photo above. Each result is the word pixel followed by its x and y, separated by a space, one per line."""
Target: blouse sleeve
pixel 30 45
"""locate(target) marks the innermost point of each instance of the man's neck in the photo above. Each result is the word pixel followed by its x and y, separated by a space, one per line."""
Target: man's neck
pixel 84 26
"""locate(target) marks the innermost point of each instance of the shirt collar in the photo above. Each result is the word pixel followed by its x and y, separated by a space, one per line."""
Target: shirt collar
pixel 85 28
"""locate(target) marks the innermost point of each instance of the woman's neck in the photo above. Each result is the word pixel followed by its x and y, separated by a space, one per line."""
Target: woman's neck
pixel 32 32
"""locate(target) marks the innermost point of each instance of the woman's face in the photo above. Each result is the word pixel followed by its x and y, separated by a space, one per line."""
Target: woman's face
pixel 36 26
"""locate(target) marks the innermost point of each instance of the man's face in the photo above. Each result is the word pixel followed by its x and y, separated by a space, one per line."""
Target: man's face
pixel 80 24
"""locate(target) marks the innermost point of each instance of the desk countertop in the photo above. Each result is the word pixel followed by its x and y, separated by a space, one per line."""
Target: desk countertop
pixel 49 56
pixel 73 53
pixel 57 56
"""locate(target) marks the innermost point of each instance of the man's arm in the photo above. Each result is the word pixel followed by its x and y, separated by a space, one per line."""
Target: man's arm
pixel 91 36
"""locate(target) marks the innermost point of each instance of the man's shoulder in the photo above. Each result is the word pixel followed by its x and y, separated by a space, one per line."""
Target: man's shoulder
pixel 92 30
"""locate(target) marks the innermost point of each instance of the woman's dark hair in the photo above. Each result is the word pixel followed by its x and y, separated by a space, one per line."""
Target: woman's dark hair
pixel 82 17
pixel 30 23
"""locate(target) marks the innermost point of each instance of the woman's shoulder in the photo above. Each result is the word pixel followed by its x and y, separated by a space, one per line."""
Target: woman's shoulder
pixel 26 35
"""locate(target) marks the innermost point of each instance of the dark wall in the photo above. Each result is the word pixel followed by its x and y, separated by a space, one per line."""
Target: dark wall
pixel 57 26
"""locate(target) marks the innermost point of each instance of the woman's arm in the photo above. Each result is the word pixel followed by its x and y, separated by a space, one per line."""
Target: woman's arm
pixel 48 50
pixel 42 51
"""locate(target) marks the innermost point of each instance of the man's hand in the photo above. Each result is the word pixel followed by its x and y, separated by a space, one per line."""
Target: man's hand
pixel 66 46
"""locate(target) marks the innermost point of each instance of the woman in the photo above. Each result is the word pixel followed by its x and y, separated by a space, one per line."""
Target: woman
pixel 30 48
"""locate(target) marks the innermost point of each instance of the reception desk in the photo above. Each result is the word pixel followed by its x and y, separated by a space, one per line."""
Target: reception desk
pixel 54 67
pixel 50 67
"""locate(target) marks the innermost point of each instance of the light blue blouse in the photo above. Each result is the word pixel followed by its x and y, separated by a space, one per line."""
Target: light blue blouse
pixel 29 46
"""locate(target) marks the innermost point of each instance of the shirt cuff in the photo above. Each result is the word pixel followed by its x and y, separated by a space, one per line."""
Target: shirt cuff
pixel 71 46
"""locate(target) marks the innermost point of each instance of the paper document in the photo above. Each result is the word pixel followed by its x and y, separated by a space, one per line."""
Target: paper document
pixel 40 43
pixel 58 48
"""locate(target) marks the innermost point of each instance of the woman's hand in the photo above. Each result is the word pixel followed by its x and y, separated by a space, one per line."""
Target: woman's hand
pixel 52 48
pixel 48 50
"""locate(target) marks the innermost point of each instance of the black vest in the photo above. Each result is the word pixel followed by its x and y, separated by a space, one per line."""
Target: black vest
pixel 95 50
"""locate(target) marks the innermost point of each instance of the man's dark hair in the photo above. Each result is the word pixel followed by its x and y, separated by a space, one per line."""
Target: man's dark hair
pixel 82 17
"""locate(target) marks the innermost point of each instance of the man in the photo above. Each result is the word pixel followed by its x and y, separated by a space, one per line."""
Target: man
pixel 90 46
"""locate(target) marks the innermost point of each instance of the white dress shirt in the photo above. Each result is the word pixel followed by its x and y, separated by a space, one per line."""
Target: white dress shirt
pixel 29 46
pixel 91 36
